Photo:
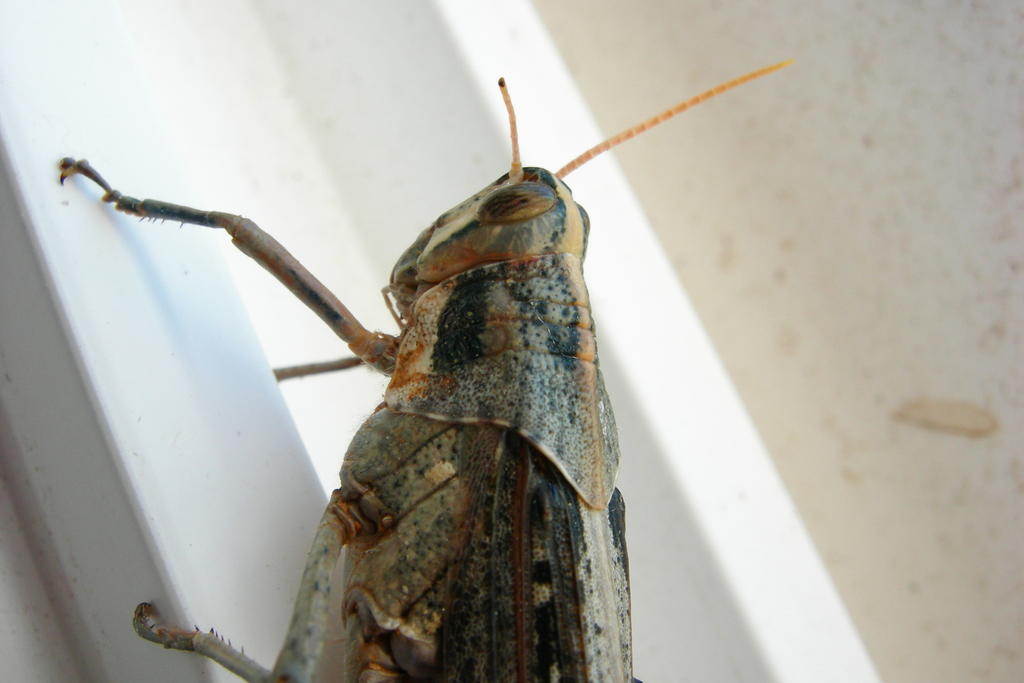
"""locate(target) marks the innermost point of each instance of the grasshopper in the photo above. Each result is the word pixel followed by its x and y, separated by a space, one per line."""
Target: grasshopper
pixel 485 536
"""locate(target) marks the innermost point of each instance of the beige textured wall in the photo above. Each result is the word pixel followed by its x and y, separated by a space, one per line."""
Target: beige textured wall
pixel 850 231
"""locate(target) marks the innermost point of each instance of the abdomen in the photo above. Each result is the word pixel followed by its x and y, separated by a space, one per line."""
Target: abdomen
pixel 478 562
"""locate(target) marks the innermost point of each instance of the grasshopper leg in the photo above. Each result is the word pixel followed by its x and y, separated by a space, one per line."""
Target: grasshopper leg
pixel 293 371
pixel 209 645
pixel 305 638
pixel 374 348
pixel 304 641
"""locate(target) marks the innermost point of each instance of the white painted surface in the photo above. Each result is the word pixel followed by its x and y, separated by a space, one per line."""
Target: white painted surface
pixel 147 449
pixel 313 117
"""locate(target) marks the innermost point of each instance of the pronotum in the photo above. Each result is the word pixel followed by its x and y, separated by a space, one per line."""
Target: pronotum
pixel 485 537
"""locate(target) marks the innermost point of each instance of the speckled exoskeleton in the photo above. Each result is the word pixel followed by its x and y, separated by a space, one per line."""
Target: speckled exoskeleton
pixel 485 537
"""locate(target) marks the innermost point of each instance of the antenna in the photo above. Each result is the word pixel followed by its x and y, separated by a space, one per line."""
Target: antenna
pixel 655 120
pixel 516 174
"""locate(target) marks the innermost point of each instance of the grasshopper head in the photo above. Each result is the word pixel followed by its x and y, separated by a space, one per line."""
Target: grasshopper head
pixel 503 222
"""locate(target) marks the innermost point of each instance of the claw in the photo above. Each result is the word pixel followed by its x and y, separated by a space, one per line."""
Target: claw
pixel 143 613
pixel 68 168
pixel 170 638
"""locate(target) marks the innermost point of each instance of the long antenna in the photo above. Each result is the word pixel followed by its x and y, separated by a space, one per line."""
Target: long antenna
pixel 516 174
pixel 664 116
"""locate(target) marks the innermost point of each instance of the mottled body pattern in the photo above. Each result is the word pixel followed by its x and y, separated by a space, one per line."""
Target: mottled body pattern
pixel 498 572
pixel 493 461
pixel 512 343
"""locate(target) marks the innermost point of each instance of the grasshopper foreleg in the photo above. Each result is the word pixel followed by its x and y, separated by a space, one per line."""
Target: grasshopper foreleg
pixel 374 348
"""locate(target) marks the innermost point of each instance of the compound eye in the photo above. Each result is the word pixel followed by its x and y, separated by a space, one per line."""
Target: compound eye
pixel 516 203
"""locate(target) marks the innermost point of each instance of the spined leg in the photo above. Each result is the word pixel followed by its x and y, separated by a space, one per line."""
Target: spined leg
pixel 304 641
pixel 209 645
pixel 374 348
